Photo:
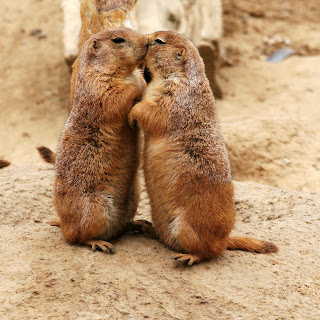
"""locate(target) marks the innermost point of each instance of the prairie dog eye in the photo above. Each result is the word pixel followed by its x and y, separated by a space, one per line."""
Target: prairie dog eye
pixel 118 40
pixel 160 41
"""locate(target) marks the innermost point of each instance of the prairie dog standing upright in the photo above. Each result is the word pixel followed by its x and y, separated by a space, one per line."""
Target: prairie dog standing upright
pixel 186 164
pixel 96 191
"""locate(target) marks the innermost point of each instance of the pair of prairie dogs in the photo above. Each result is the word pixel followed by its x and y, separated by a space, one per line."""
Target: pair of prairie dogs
pixel 185 160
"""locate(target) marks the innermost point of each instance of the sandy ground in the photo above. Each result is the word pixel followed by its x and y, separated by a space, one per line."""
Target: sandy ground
pixel 270 119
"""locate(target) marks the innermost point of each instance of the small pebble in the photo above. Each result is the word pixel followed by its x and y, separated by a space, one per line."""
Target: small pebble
pixel 286 161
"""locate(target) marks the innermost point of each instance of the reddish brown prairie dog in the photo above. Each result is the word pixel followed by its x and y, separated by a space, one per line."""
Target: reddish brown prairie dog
pixel 96 191
pixel 186 165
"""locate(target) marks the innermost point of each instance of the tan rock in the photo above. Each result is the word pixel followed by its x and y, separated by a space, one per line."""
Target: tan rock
pixel 71 29
pixel 199 20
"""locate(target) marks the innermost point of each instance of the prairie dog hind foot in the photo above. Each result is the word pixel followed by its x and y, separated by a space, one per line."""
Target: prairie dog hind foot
pixel 94 244
pixel 100 245
pixel 186 258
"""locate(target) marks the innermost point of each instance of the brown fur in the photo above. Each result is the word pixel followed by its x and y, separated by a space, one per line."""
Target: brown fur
pixel 186 165
pixel 4 163
pixel 96 185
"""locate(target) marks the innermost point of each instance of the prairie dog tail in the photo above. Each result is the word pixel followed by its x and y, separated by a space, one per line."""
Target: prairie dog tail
pixel 252 245
pixel 4 163
pixel 47 155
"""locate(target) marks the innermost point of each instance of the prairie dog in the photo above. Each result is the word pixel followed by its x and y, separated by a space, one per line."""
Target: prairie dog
pixel 186 165
pixel 96 185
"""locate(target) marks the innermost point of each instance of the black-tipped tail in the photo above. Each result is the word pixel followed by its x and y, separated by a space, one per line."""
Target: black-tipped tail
pixel 47 155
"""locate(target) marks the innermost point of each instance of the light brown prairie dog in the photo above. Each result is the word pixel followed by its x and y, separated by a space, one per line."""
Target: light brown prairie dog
pixel 96 191
pixel 186 165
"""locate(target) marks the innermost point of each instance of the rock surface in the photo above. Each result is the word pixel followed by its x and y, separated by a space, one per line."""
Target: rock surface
pixel 45 278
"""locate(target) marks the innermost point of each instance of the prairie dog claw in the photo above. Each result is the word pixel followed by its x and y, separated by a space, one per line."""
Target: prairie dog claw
pixel 101 245
pixel 190 259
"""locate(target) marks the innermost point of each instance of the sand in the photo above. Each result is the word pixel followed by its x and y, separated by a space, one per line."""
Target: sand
pixel 270 119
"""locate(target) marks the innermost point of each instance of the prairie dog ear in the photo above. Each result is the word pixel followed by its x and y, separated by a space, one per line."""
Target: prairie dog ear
pixel 180 54
pixel 95 46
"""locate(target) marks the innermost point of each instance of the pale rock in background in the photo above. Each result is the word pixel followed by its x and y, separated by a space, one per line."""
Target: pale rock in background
pixel 199 20
pixel 71 28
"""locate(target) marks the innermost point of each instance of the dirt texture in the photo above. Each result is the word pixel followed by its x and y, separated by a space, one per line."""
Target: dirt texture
pixel 270 119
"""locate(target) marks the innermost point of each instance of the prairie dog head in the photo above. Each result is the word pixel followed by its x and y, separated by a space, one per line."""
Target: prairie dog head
pixel 115 51
pixel 171 55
